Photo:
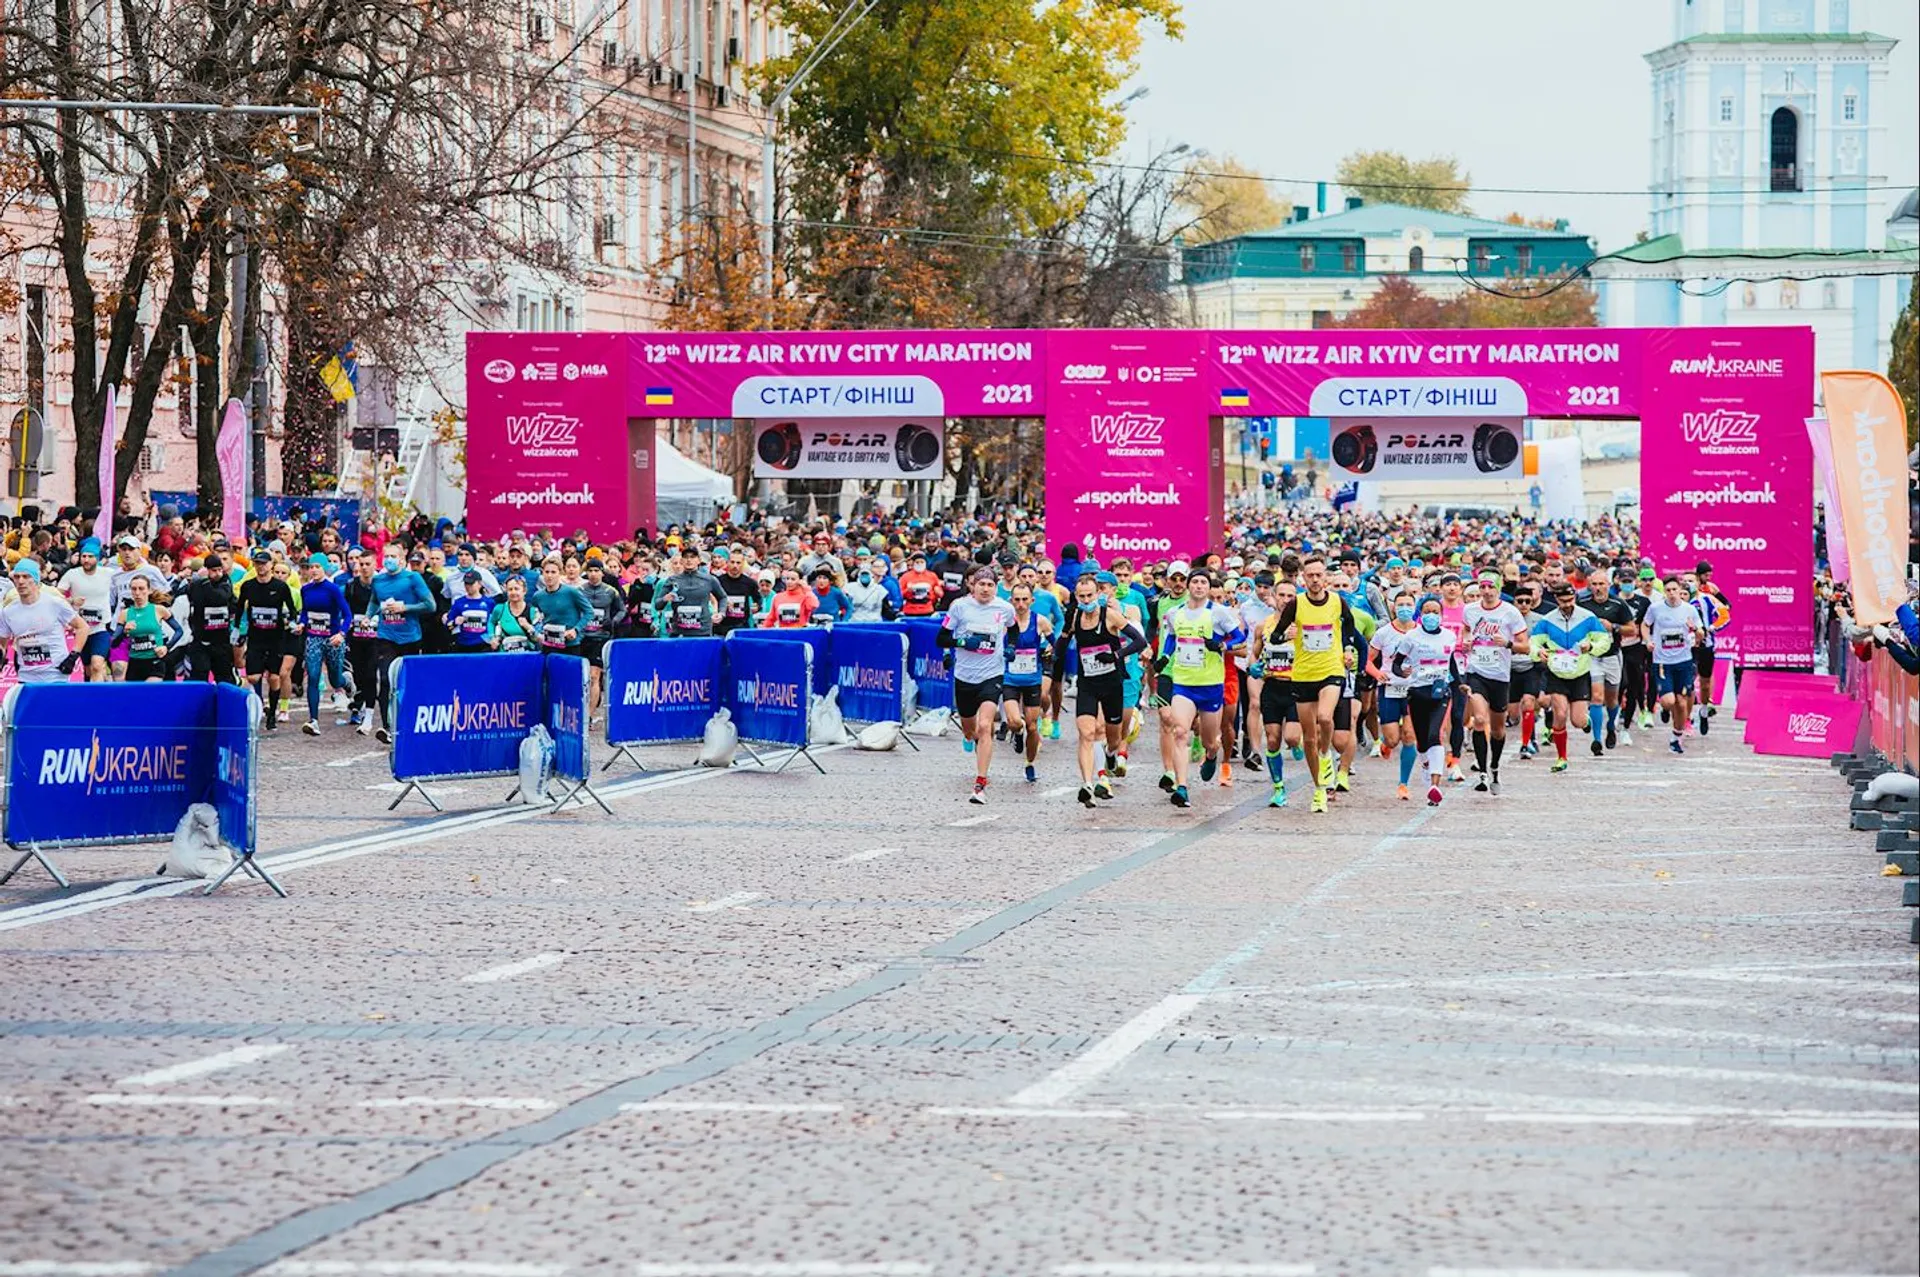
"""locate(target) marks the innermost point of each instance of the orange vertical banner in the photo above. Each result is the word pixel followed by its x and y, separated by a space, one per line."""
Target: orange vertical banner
pixel 1869 431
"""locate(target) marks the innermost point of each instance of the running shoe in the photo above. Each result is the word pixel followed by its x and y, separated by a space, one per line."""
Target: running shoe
pixel 1102 786
pixel 310 728
pixel 1326 772
pixel 1197 749
pixel 1086 796
pixel 1495 787
pixel 1342 782
pixel 1053 731
pixel 341 720
pixel 1613 738
pixel 1559 765
pixel 1673 746
pixel 979 794
pixel 1705 719
pixel 1480 783
pixel 1279 798
pixel 1120 764
pixel 1180 798
pixel 1434 795
pixel 1665 717
pixel 1406 795
pixel 966 746
pixel 1298 752
pixel 1319 803
pixel 1455 775
pixel 1226 773
pixel 1626 737
pixel 1166 781
pixel 1112 758
pixel 382 735
pixel 1031 774
pixel 1208 767
pixel 364 726
pixel 1133 732
pixel 1598 749
pixel 1019 742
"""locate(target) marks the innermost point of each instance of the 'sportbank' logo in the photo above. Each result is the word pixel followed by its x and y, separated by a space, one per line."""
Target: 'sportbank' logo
pixel 1726 494
pixel 1722 432
pixel 549 495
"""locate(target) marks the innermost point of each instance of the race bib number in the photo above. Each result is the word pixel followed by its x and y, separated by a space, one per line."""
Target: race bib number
pixel 1316 638
pixel 1564 664
pixel 1673 640
pixel 976 641
pixel 1279 658
pixel 318 623
pixel 141 646
pixel 918 591
pixel 1097 660
pixel 34 656
pixel 266 618
pixel 515 643
pixel 365 626
pixel 1486 659
pixel 1027 661
pixel 1189 653
pixel 553 634
pixel 789 613
pixel 736 607
pixel 214 618
pixel 951 580
pixel 473 622
pixel 689 616
pixel 92 615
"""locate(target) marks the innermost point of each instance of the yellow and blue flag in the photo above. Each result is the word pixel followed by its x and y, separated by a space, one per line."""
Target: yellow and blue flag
pixel 660 396
pixel 1235 397
pixel 341 374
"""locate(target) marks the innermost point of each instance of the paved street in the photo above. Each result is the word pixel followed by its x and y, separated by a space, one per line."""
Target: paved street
pixel 1653 1016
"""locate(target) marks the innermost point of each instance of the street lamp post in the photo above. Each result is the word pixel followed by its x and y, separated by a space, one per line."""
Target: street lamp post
pixel 850 17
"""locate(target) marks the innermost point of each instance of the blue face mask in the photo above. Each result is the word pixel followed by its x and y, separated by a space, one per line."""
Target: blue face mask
pixel 866 578
pixel 1430 622
pixel 1090 608
pixel 1246 596
pixel 1404 612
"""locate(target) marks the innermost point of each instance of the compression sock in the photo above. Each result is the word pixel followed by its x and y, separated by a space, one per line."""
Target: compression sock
pixel 1480 749
pixel 1598 724
pixel 1560 742
pixel 1499 747
pixel 1613 718
pixel 1408 757
pixel 1526 727
pixel 1277 764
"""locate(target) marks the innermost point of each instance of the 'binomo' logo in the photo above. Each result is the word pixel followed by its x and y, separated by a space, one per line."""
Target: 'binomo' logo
pixel 1722 432
pixel 1715 366
pixel 1129 434
pixel 545 434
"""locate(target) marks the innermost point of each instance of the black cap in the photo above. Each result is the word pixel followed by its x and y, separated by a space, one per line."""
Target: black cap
pixel 1702 568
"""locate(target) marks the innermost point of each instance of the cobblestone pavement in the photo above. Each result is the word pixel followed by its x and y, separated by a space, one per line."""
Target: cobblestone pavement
pixel 1656 1015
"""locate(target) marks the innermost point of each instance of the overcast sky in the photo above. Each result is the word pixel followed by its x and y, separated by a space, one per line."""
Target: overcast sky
pixel 1549 96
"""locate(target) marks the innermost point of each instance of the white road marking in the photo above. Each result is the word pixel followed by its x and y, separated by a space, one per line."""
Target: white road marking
pixel 407 1268
pixel 1602 1028
pixel 1060 792
pixel 512 1103
pixel 725 1106
pixel 872 854
pixel 76 1268
pixel 144 1100
pixel 1733 1075
pixel 538 962
pixel 1308 1115
pixel 1595 1119
pixel 395 786
pixel 1108 1052
pixel 356 758
pixel 1769 977
pixel 1907 1122
pixel 1549 977
pixel 114 894
pixel 800 1268
pixel 737 900
pixel 1728 1004
pixel 970 821
pixel 1022 1112
pixel 1174 1268
pixel 206 1064
pixel 1555 1272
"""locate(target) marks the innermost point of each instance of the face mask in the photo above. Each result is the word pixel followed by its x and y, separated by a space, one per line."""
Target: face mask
pixel 1246 596
pixel 1430 622
pixel 866 578
pixel 1090 608
pixel 1404 612
pixel 393 565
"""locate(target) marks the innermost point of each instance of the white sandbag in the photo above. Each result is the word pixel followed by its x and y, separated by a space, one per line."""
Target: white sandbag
pixel 721 741
pixel 197 851
pixel 932 722
pixel 536 764
pixel 909 699
pixel 878 737
pixel 1893 785
pixel 827 726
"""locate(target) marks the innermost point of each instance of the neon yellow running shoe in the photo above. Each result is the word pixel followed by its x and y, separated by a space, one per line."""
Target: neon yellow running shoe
pixel 1319 799
pixel 1340 781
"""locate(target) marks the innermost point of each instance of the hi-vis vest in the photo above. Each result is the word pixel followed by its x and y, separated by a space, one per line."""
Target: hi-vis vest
pixel 1319 643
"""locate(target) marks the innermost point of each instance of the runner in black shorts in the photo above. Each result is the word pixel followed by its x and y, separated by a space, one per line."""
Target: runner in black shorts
pixel 1101 639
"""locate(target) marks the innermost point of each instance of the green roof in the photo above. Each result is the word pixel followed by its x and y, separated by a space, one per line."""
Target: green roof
pixel 1784 37
pixel 1391 219
pixel 1668 248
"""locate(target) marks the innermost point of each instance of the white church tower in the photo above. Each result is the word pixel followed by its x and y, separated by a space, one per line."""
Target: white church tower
pixel 1769 161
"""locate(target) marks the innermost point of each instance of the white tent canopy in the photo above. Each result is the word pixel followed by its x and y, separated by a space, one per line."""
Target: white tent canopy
pixel 686 491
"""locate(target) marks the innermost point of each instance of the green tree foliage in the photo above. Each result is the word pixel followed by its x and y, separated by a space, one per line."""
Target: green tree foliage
pixel 1903 369
pixel 1225 198
pixel 1389 177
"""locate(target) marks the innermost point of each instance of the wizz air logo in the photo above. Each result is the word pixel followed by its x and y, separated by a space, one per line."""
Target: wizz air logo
pixel 544 434
pixel 1722 431
pixel 1129 434
pixel 1809 726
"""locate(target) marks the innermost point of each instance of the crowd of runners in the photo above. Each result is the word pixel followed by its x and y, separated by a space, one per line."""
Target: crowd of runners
pixel 1312 637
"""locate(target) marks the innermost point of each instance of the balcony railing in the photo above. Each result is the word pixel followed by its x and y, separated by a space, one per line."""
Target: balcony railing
pixel 1786 177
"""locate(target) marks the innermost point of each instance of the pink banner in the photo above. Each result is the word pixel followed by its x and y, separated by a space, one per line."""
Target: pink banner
pixel 1758 685
pixel 230 452
pixel 549 446
pixel 103 522
pixel 1804 724
pixel 1835 523
pixel 1726 477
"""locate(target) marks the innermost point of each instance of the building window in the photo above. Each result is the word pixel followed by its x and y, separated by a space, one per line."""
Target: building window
pixel 1482 257
pixel 1306 258
pixel 1726 108
pixel 1783 150
pixel 1416 258
pixel 1350 258
pixel 1787 82
pixel 1850 108
pixel 1323 319
pixel 1523 257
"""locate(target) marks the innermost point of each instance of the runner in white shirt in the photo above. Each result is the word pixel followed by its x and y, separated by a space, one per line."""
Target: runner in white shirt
pixel 1396 730
pixel 1673 626
pixel 1492 630
pixel 975 628
pixel 36 628
pixel 89 588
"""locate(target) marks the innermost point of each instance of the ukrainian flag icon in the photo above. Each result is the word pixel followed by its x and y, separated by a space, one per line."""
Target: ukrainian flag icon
pixel 1235 397
pixel 660 396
